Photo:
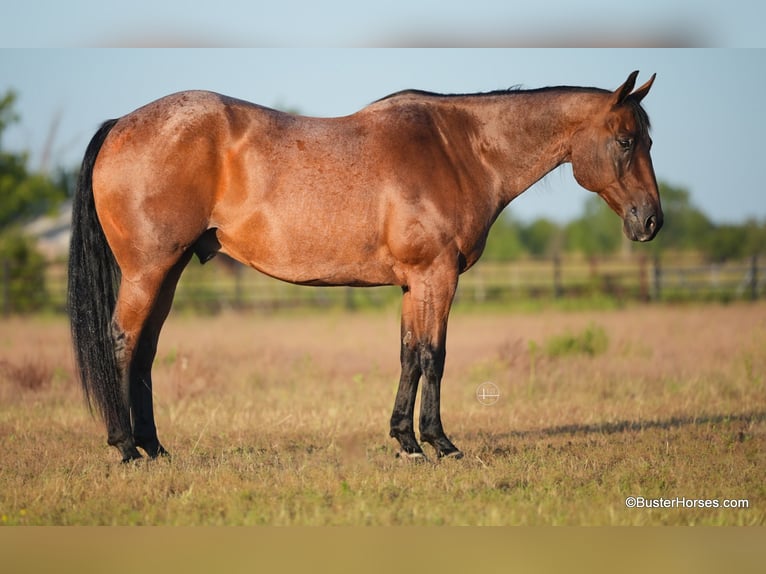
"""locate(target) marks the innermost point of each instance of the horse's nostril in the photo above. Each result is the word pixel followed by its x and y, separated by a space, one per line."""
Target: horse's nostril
pixel 651 223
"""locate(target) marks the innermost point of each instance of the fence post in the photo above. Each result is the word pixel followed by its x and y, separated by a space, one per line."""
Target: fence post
pixel 6 278
pixel 754 278
pixel 558 290
pixel 643 279
pixel 349 299
pixel 238 299
pixel 657 287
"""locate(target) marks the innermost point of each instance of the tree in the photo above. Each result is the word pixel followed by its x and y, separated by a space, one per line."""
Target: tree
pixel 503 242
pixel 541 237
pixel 597 232
pixel 755 237
pixel 22 271
pixel 686 226
pixel 7 115
pixel 726 242
pixel 23 195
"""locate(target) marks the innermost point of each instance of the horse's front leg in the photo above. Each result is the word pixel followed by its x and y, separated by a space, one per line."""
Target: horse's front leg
pixel 431 431
pixel 425 310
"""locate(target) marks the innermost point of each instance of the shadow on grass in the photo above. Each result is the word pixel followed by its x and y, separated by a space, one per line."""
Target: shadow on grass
pixel 608 428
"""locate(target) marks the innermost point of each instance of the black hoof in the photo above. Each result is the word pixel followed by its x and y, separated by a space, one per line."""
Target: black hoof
pixel 158 452
pixel 131 456
pixel 152 448
pixel 409 447
pixel 127 448
pixel 444 448
pixel 162 453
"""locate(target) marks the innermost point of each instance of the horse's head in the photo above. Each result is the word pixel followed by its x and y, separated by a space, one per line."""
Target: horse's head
pixel 610 155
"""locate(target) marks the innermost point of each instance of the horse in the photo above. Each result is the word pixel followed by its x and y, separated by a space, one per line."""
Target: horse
pixel 403 192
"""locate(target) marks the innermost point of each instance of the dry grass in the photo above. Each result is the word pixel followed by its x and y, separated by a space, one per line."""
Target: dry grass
pixel 283 420
pixel 29 374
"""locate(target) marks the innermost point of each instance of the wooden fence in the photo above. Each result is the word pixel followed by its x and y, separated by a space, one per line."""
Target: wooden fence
pixel 222 284
pixel 635 278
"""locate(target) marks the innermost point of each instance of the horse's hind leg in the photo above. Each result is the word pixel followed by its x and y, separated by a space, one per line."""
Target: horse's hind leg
pixel 141 401
pixel 136 299
pixel 402 425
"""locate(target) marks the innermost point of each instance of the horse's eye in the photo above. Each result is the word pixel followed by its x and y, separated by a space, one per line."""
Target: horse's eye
pixel 625 143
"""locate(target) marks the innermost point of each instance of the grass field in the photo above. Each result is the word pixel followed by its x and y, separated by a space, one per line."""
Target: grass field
pixel 283 420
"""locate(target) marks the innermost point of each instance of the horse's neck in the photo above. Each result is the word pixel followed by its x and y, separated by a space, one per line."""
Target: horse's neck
pixel 526 135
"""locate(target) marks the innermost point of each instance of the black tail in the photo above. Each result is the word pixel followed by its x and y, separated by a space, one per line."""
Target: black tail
pixel 92 288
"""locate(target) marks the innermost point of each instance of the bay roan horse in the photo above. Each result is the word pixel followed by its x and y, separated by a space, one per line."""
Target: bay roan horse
pixel 402 192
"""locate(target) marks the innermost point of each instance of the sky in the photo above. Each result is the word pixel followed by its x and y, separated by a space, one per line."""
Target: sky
pixel 706 105
pixel 351 23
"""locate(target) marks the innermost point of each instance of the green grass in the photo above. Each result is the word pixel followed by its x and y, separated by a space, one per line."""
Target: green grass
pixel 282 420
pixel 590 341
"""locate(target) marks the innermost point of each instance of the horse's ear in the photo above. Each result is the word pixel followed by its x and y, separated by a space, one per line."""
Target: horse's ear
pixel 624 90
pixel 641 92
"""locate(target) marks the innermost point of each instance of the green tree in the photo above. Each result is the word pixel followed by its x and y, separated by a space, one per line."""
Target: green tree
pixel 23 195
pixel 755 237
pixel 597 232
pixel 504 242
pixel 727 242
pixel 541 237
pixel 7 115
pixel 22 271
pixel 686 227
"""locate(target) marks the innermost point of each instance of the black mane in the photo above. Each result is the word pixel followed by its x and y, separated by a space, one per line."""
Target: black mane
pixel 641 116
pixel 505 92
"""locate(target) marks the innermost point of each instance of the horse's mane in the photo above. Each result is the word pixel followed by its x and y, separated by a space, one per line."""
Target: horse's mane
pixel 641 116
pixel 503 92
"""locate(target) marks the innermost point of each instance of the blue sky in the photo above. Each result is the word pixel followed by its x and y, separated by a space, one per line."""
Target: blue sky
pixel 351 23
pixel 706 105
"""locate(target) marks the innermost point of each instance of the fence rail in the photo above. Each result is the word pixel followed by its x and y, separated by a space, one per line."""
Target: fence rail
pixel 223 284
pixel 639 278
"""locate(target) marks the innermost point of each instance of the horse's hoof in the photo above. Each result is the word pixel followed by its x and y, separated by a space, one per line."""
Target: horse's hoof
pixel 455 454
pixel 152 448
pixel 160 453
pixel 417 457
pixel 130 458
pixel 129 453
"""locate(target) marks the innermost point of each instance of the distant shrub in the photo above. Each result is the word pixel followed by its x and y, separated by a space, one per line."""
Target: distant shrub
pixel 22 274
pixel 592 341
pixel 28 374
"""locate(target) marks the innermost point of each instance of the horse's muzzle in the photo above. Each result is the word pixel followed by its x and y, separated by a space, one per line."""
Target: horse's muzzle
pixel 642 223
